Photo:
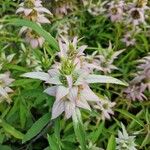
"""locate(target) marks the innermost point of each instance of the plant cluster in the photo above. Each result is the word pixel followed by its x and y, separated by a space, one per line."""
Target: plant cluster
pixel 74 75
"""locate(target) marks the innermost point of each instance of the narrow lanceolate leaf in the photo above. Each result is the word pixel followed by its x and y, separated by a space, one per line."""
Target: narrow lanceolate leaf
pixel 111 143
pixel 36 127
pixel 37 75
pixel 96 134
pixel 133 123
pixel 103 79
pixel 22 114
pixel 11 130
pixel 16 67
pixel 146 140
pixel 53 143
pixel 79 130
pixel 127 114
pixel 47 36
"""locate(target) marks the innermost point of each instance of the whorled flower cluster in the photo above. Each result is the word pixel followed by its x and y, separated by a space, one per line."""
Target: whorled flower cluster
pixel 70 78
pixel 132 15
pixel 28 59
pixel 67 28
pixel 141 82
pixel 93 8
pixel 63 29
pixel 103 61
pixel 34 11
pixel 5 82
pixel 124 141
pixel 62 7
pixel 115 10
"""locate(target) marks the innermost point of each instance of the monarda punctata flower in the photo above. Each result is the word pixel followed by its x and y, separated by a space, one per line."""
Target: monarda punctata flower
pixel 63 7
pixel 33 11
pixel 70 82
pixel 128 39
pixel 116 11
pixel 141 81
pixel 103 61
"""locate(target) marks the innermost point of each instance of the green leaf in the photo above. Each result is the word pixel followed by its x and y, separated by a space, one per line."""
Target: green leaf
pixel 127 114
pixel 2 137
pixel 34 26
pixel 146 140
pixel 14 109
pixel 95 134
pixel 22 114
pixel 11 130
pixel 16 67
pixel 52 140
pixel 79 129
pixel 57 127
pixel 36 127
pixel 5 147
pixel 133 124
pixel 22 82
pixel 111 143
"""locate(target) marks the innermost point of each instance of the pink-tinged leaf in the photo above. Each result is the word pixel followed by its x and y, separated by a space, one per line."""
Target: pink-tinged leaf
pixel 57 109
pixel 88 94
pixel 82 103
pixel 22 30
pixel 81 49
pixel 41 41
pixel 21 9
pixel 4 94
pixel 117 53
pixel 69 109
pixel 61 92
pixel 75 41
pixel 54 80
pixel 27 11
pixel 34 43
pixel 103 79
pixel 51 90
pixel 8 89
pixel 73 93
pixel 42 19
pixel 69 80
pixel 53 72
pixel 42 9
pixel 37 75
